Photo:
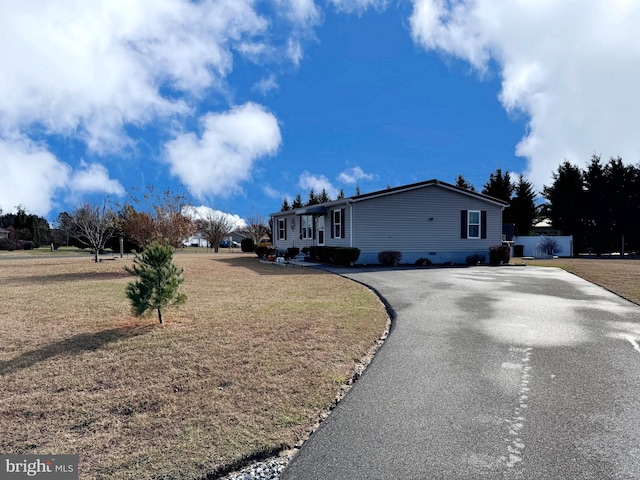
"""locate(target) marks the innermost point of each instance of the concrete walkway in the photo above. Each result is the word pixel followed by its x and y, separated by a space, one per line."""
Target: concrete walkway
pixel 526 373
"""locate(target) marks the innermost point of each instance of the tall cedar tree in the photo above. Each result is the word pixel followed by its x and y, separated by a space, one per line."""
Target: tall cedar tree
pixel 499 186
pixel 462 183
pixel 324 196
pixel 597 218
pixel 285 205
pixel 621 191
pixel 313 198
pixel 297 202
pixel 522 206
pixel 566 207
pixel 159 281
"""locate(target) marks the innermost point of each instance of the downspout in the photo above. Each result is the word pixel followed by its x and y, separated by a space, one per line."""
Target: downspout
pixel 350 223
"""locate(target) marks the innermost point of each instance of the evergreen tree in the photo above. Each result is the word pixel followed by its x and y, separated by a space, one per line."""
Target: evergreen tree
pixel 566 205
pixel 462 183
pixel 313 198
pixel 619 197
pixel 357 190
pixel 285 205
pixel 522 206
pixel 340 194
pixel 597 222
pixel 499 186
pixel 159 280
pixel 324 196
pixel 297 202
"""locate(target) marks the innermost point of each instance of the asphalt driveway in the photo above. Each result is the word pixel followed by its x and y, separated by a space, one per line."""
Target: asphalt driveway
pixel 513 372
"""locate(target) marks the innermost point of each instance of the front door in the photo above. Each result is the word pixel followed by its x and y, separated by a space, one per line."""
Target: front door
pixel 320 230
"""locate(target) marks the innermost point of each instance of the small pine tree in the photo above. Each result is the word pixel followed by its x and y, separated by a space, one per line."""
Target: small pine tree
pixel 159 281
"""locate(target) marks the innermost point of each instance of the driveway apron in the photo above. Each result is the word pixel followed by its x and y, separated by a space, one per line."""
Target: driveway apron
pixel 512 372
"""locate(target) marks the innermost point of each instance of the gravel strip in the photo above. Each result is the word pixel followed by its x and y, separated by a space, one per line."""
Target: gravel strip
pixel 269 469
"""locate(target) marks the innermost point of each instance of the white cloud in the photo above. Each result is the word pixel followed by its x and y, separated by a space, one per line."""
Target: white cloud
pixel 31 175
pixel 303 13
pixel 308 181
pixel 88 68
pixel 266 85
pixel 359 6
pixel 569 66
pixel 203 212
pixel 294 51
pixel 271 192
pixel 223 155
pixel 94 178
pixel 353 175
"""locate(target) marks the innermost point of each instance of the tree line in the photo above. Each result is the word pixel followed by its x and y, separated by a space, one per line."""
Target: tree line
pixel 149 217
pixel 599 205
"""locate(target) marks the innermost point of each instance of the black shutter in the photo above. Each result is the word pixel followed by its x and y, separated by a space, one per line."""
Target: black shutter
pixel 342 224
pixel 483 224
pixel 333 214
pixel 313 227
pixel 300 226
pixel 463 224
pixel 285 228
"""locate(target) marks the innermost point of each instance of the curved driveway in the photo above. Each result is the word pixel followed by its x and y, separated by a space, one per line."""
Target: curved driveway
pixel 524 373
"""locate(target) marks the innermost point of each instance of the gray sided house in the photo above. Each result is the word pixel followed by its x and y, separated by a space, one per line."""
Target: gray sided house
pixel 431 219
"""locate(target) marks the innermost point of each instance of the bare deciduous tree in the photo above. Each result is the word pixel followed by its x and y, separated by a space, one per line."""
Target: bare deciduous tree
pixel 215 226
pixel 94 224
pixel 257 227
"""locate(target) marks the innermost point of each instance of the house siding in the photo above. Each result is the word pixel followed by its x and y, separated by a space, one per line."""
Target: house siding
pixel 293 234
pixel 423 222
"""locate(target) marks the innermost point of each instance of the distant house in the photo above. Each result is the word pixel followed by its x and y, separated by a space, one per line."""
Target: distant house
pixel 4 233
pixel 430 219
pixel 198 240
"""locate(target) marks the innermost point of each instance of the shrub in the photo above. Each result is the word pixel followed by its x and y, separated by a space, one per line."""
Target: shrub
pixel 389 257
pixel 264 250
pixel 292 252
pixel 549 246
pixel 334 255
pixel 345 255
pixel 6 244
pixel 25 245
pixel 314 253
pixel 247 245
pixel 423 262
pixel 476 259
pixel 499 254
pixel 305 250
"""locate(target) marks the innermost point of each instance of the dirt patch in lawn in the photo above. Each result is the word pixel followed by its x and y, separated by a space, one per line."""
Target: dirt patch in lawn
pixel 245 367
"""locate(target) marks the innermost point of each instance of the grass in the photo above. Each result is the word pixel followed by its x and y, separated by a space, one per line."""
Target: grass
pixel 245 367
pixel 621 276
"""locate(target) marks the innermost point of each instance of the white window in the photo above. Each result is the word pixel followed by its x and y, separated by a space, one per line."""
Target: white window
pixel 337 223
pixel 282 229
pixel 307 226
pixel 473 224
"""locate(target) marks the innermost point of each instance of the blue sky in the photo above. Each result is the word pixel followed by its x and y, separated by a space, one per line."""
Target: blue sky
pixel 245 102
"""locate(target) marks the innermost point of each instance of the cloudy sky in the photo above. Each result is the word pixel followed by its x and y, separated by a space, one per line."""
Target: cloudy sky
pixel 244 102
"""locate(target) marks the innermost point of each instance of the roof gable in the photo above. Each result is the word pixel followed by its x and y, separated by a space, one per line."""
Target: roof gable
pixel 393 191
pixel 425 184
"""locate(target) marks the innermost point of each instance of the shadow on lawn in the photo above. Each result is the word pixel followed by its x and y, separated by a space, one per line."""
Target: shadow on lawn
pixel 269 268
pixel 85 342
pixel 66 277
